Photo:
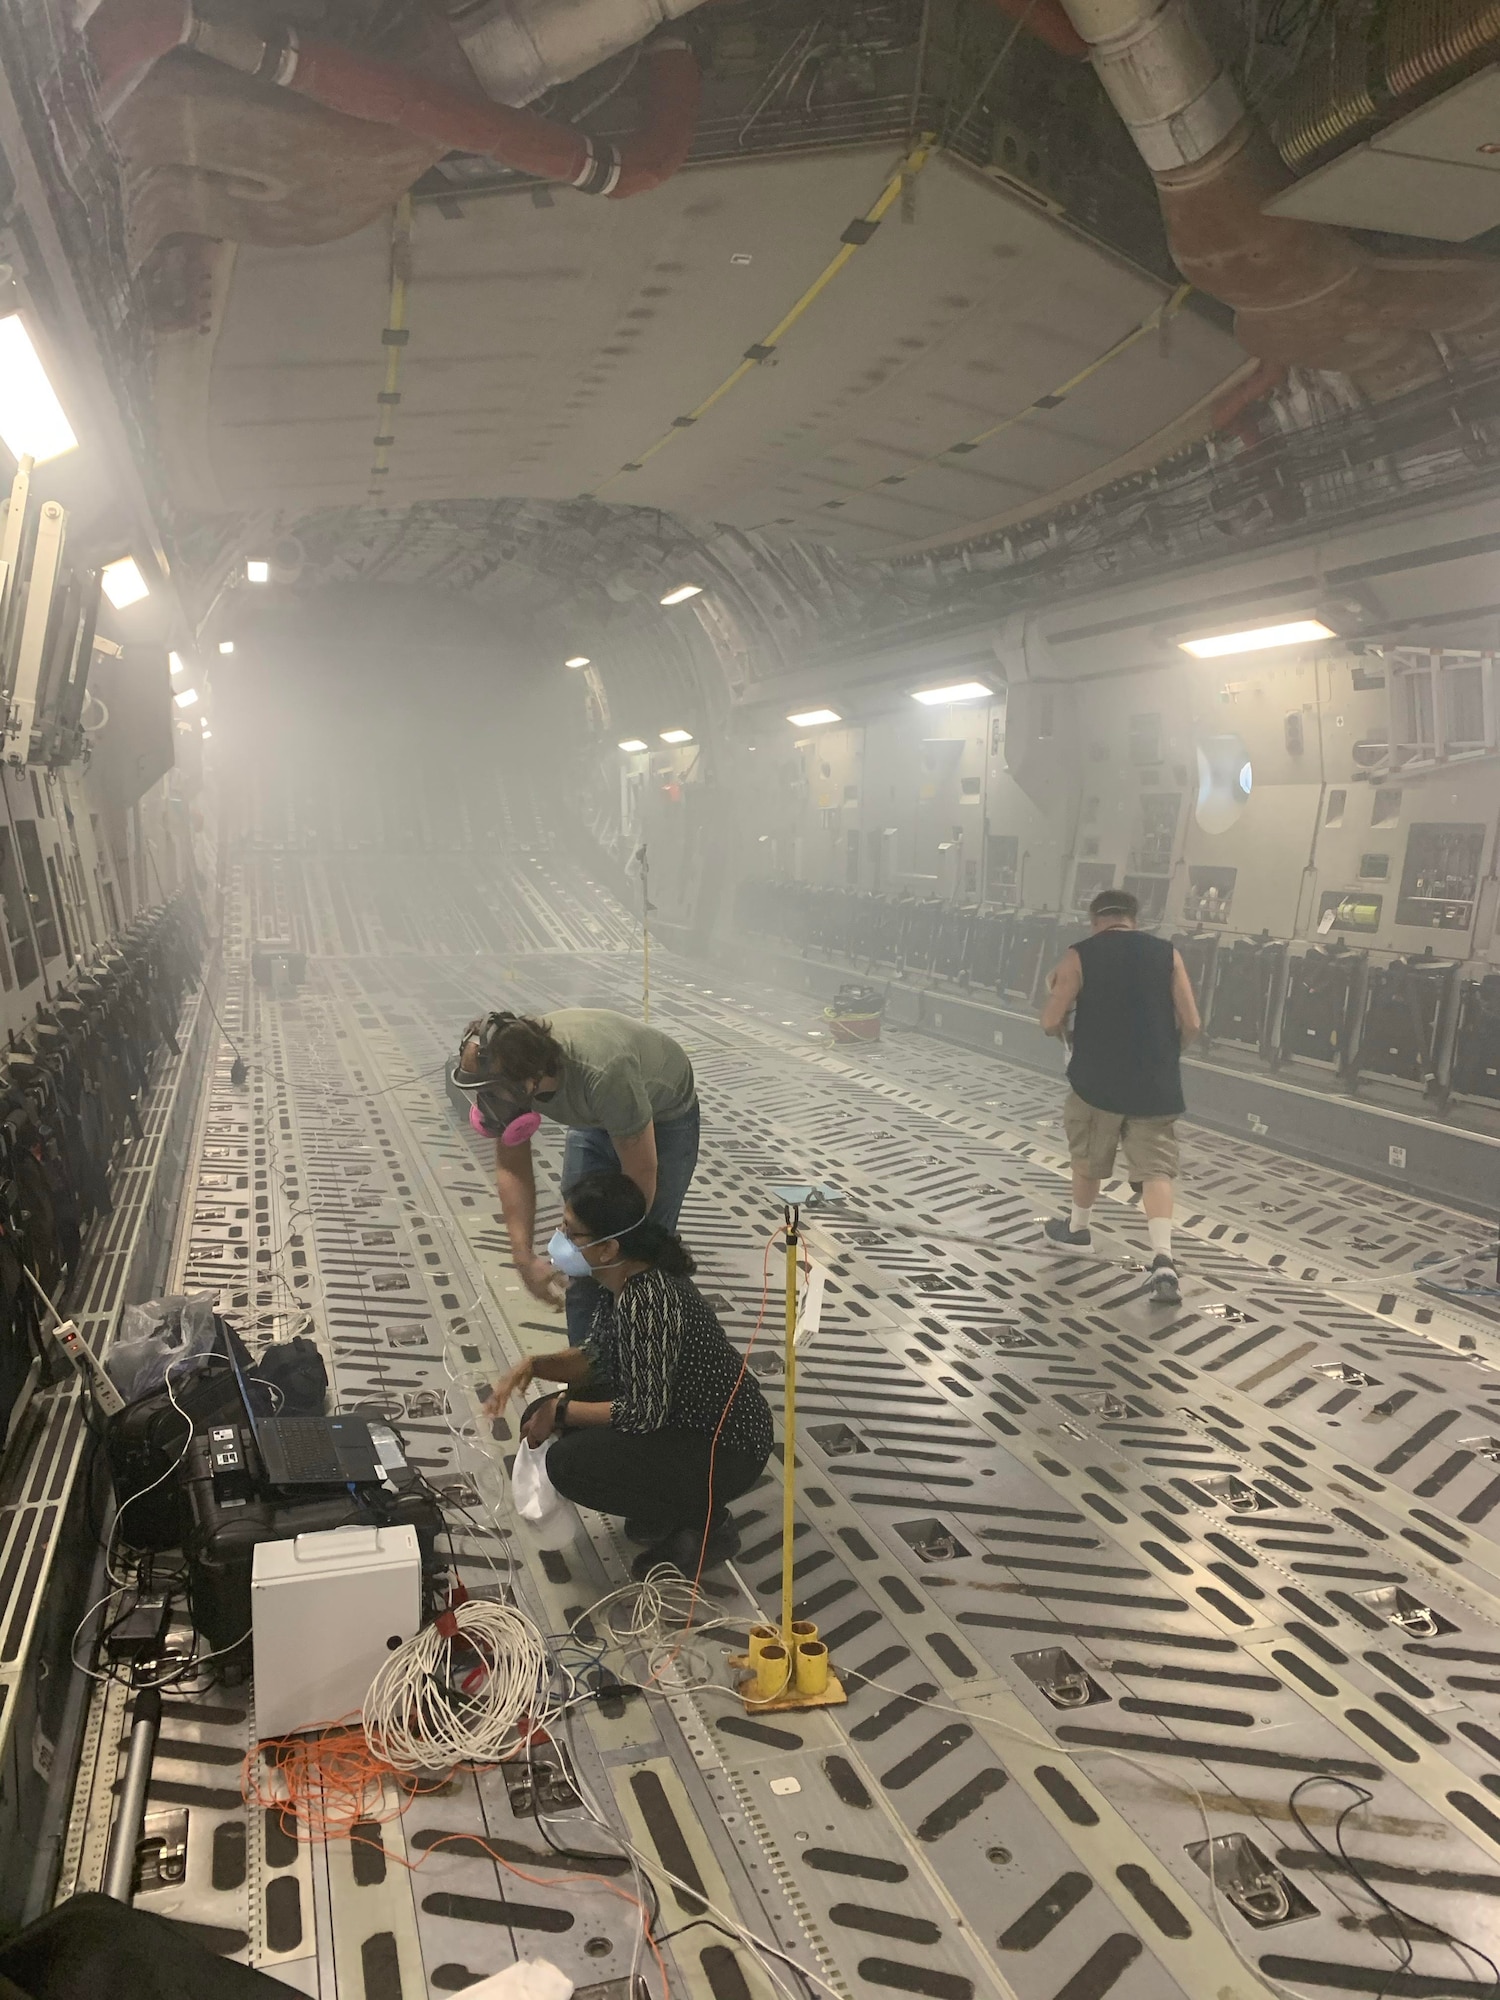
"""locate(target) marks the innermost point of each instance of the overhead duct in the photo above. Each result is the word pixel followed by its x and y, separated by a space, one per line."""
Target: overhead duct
pixel 128 36
pixel 1303 293
pixel 520 48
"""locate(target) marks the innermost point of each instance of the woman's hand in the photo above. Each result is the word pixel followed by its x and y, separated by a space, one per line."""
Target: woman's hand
pixel 509 1385
pixel 541 1423
pixel 543 1280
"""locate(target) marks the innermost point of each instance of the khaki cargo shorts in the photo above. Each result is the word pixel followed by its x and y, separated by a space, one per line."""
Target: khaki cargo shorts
pixel 1150 1144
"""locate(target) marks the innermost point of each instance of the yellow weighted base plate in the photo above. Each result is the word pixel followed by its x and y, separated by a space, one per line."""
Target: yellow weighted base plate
pixel 833 1695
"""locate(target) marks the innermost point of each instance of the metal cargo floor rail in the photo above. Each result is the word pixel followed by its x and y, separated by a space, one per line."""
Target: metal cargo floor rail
pixel 1107 1581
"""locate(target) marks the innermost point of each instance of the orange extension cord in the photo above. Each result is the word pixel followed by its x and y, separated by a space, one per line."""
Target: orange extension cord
pixel 330 1785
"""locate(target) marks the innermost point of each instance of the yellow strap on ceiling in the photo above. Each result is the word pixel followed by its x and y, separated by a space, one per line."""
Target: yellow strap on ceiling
pixel 394 335
pixel 858 233
pixel 1167 310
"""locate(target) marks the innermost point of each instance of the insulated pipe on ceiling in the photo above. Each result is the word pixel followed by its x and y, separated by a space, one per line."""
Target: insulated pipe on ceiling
pixel 127 36
pixel 1305 294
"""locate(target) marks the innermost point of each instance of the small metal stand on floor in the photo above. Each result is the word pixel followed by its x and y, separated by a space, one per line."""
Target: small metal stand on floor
pixel 788 1663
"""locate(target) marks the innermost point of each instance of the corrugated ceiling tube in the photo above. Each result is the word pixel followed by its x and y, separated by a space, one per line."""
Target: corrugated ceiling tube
pixel 128 36
pixel 1304 293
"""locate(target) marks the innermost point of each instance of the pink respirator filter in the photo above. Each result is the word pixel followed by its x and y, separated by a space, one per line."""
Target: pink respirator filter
pixel 519 1130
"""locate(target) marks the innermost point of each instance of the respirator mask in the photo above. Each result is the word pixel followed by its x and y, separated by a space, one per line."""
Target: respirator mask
pixel 494 1112
pixel 566 1256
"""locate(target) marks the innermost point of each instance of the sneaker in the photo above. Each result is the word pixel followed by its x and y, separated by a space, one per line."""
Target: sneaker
pixel 1060 1230
pixel 1162 1287
pixel 681 1550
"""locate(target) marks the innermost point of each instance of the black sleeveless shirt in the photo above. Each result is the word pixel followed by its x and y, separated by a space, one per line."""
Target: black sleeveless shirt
pixel 1126 1052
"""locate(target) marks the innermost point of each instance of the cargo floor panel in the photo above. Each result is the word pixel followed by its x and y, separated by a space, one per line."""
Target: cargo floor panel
pixel 1104 1579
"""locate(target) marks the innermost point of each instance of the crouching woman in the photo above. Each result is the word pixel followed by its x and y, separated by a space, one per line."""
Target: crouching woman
pixel 658 1418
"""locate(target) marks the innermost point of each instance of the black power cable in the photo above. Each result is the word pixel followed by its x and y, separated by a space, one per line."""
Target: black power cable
pixel 1410 1929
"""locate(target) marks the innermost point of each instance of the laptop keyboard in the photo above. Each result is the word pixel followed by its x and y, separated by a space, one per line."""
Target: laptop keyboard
pixel 309 1449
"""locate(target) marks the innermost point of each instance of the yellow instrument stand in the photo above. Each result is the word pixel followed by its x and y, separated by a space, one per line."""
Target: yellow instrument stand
pixel 788 1664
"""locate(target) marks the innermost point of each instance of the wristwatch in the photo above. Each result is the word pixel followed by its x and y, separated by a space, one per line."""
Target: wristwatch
pixel 560 1410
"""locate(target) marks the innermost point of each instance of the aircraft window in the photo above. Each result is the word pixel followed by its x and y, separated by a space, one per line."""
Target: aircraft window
pixel 1333 815
pixel 1223 781
pixel 1385 807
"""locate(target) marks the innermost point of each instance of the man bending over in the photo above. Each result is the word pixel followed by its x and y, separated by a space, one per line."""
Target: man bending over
pixel 627 1095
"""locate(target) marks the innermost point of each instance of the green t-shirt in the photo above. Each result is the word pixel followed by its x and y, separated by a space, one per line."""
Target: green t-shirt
pixel 620 1075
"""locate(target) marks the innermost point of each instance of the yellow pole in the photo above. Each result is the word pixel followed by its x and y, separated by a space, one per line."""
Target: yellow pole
pixel 789 1441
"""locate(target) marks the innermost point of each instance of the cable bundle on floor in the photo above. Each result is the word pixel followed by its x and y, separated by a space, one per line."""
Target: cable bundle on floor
pixel 460 1691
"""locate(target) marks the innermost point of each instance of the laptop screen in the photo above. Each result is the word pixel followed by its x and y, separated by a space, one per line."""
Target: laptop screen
pixel 242 1385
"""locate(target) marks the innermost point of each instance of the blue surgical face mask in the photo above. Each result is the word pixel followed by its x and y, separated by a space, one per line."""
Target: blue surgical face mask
pixel 570 1260
pixel 567 1256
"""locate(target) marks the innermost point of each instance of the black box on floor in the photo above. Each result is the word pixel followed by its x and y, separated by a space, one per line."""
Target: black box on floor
pixel 221 1542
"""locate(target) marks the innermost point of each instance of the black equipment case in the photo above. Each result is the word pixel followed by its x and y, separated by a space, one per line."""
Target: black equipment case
pixel 222 1539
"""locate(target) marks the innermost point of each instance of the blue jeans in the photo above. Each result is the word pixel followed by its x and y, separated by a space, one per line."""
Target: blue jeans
pixel 591 1151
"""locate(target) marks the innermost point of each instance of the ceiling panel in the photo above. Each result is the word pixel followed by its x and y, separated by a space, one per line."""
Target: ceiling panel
pixel 550 345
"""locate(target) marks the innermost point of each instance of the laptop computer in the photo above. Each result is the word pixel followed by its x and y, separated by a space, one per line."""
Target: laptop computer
pixel 310 1451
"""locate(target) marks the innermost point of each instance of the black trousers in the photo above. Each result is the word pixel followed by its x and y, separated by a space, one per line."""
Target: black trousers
pixel 660 1479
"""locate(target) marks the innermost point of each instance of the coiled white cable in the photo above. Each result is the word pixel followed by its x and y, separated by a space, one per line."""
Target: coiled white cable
pixel 459 1691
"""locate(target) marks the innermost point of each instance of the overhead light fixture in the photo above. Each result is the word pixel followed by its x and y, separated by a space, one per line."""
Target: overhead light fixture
pixel 578 660
pixel 257 571
pixel 226 645
pixel 676 736
pixel 811 717
pixel 959 691
pixel 207 735
pixel 32 423
pixel 186 698
pixel 633 743
pixel 174 661
pixel 682 593
pixel 122 583
pixel 1259 639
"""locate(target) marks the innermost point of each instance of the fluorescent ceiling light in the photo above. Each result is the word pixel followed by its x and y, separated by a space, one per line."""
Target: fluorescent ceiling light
pixel 257 571
pixel 676 736
pixel 226 645
pixel 632 743
pixel 186 698
pixel 31 418
pixel 123 583
pixel 174 661
pixel 682 593
pixel 959 691
pixel 811 717
pixel 207 734
pixel 1298 632
pixel 578 660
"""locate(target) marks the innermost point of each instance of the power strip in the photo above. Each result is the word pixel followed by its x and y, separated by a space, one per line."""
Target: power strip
pixel 90 1368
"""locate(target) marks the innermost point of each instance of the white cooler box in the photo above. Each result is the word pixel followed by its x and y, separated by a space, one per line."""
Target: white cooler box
pixel 326 1610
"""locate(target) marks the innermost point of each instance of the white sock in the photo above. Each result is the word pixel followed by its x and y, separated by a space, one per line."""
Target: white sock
pixel 1079 1218
pixel 1159 1229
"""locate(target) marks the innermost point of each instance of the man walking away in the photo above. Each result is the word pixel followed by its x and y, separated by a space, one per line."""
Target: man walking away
pixel 1133 1010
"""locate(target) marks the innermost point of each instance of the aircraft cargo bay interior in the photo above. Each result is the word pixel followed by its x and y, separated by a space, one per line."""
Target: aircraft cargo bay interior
pixel 750 1112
